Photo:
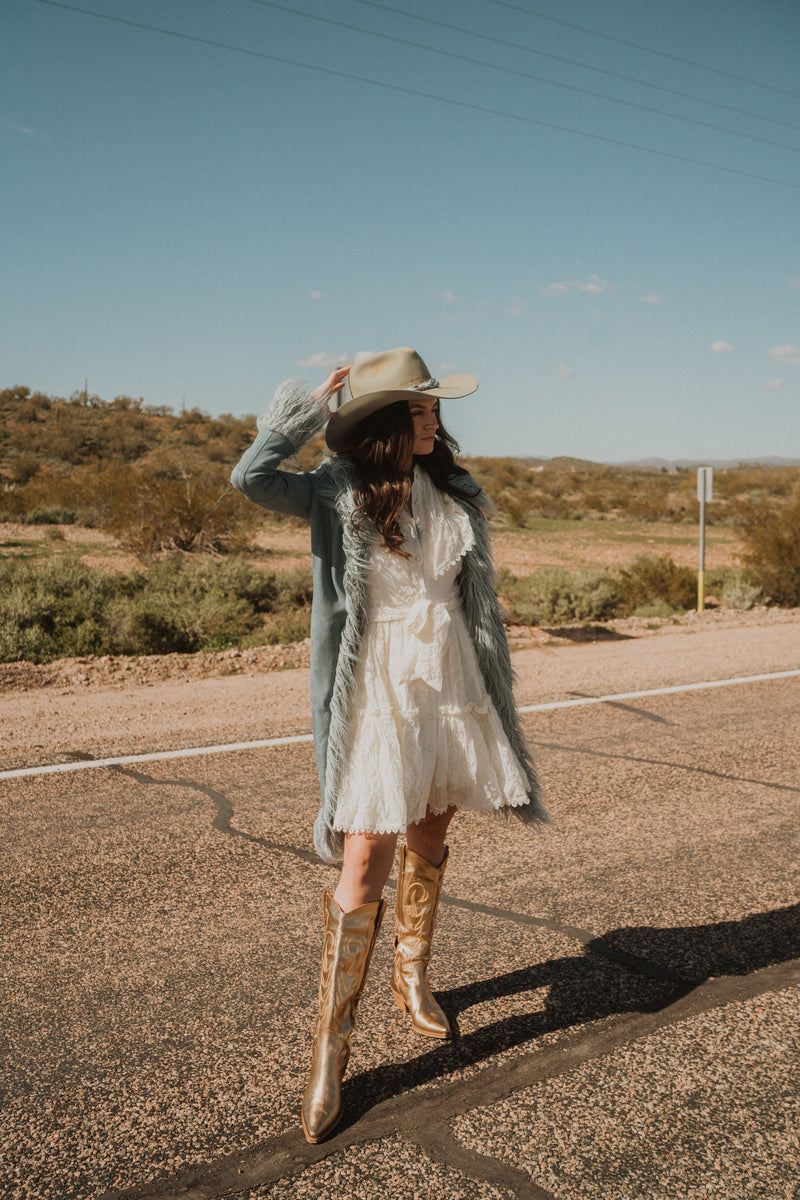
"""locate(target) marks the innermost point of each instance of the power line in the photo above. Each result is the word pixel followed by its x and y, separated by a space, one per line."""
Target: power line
pixel 574 62
pixel 393 87
pixel 687 62
pixel 569 87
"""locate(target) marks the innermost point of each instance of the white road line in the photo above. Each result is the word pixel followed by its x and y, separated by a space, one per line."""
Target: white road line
pixel 193 752
pixel 665 691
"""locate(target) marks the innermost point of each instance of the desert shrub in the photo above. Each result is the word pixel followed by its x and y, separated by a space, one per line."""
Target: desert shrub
pixel 515 506
pixel 23 467
pixel 552 507
pixel 49 514
pixel 81 496
pixel 771 539
pixel 554 594
pixel 61 608
pixel 754 480
pixel 185 605
pixel 739 592
pixel 643 506
pixel 196 510
pixel 650 586
pixel 594 502
pixel 282 628
pixel 650 578
pixel 656 609
pixel 50 610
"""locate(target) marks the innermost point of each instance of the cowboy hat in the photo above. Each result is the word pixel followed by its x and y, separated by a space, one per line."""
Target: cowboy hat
pixel 376 380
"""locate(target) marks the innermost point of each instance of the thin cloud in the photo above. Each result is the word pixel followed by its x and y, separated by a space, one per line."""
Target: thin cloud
pixel 786 354
pixel 773 384
pixel 565 372
pixel 324 361
pixel 651 298
pixel 593 286
pixel 720 347
pixel 315 295
pixel 450 297
pixel 794 284
pixel 25 130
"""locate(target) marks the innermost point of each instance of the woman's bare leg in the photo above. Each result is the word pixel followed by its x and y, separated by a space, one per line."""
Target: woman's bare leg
pixel 368 859
pixel 426 837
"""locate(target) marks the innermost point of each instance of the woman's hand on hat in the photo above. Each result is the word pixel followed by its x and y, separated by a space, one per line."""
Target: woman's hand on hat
pixel 323 394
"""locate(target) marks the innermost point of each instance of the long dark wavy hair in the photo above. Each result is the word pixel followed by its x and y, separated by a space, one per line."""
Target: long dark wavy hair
pixel 380 453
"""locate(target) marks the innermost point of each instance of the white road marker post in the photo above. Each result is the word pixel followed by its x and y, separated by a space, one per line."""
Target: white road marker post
pixel 704 475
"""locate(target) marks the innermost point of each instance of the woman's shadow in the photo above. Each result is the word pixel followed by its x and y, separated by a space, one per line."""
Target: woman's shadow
pixel 636 969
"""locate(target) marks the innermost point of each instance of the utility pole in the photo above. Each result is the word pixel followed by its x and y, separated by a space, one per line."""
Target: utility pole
pixel 704 475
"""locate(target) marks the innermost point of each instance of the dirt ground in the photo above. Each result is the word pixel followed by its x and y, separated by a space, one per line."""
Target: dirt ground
pixel 573 545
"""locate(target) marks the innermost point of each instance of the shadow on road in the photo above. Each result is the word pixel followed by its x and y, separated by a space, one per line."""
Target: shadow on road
pixel 585 988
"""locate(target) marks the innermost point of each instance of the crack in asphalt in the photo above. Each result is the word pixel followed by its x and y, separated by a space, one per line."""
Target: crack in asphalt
pixel 421 1110
pixel 442 1145
pixel 425 1117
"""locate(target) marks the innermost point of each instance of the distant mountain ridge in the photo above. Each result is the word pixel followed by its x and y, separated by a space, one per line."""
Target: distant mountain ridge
pixel 673 464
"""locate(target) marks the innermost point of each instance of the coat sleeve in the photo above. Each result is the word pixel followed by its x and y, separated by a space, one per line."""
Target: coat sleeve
pixel 291 420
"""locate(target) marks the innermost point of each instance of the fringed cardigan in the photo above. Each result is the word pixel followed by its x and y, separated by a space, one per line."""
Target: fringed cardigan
pixel 340 559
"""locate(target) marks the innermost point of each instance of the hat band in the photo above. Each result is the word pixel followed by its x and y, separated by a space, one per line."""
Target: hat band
pixel 424 387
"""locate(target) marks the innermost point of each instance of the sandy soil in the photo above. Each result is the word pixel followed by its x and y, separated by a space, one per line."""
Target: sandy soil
pixel 585 545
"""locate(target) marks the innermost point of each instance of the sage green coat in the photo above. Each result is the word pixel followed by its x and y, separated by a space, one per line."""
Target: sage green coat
pixel 340 558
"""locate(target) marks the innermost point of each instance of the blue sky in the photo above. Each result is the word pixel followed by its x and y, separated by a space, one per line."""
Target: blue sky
pixel 192 223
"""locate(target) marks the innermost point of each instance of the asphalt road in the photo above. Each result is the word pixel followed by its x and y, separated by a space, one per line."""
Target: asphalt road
pixel 624 984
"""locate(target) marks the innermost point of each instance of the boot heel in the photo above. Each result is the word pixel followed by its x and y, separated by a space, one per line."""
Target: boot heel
pixel 399 1001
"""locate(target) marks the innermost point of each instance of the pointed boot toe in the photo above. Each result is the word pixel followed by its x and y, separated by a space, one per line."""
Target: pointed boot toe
pixel 322 1100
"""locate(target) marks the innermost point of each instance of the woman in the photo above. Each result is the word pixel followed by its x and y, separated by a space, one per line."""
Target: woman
pixel 411 682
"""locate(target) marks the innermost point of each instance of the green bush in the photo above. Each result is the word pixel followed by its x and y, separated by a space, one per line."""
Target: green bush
pixel 771 538
pixel 49 514
pixel 61 608
pixel 650 578
pixel 51 610
pixel 555 595
pixel 649 587
pixel 739 593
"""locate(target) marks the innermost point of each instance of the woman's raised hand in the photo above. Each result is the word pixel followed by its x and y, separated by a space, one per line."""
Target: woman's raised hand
pixel 324 393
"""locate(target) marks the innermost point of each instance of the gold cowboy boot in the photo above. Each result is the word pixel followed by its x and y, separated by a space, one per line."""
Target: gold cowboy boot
pixel 418 887
pixel 346 951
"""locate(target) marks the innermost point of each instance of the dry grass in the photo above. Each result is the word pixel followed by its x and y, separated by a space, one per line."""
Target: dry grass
pixel 588 544
pixel 280 546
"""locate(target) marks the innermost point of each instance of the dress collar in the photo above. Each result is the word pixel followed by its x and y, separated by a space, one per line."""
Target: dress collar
pixel 444 529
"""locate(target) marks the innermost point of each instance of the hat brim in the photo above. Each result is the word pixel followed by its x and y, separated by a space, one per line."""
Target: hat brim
pixel 338 432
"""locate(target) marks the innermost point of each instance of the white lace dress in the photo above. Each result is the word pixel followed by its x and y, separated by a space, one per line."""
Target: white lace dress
pixel 424 732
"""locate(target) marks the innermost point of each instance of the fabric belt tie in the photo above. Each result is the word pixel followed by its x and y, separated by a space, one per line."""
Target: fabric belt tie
pixel 427 621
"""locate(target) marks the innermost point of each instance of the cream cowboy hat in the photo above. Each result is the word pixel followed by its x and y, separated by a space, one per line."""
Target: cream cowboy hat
pixel 380 379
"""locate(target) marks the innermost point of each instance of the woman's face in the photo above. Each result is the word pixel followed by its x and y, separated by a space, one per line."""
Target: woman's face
pixel 425 415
